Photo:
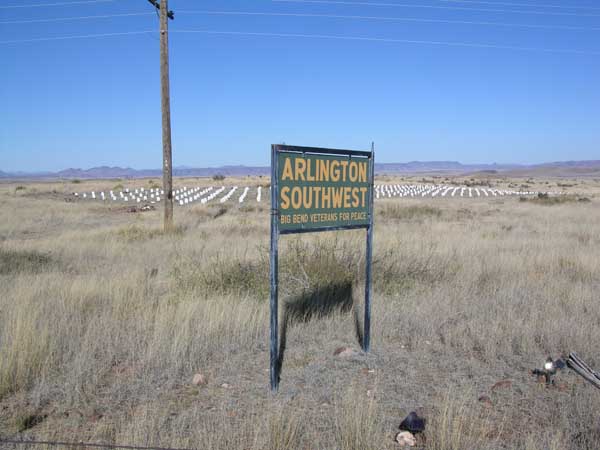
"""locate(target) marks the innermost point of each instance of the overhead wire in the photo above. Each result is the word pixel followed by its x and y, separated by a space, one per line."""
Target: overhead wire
pixel 80 36
pixel 390 19
pixel 313 36
pixel 40 5
pixel 521 5
pixel 311 15
pixel 392 40
pixel 455 8
pixel 74 18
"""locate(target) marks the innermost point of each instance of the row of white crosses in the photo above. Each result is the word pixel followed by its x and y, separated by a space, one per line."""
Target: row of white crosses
pixel 182 196
pixel 229 194
pixel 186 196
pixel 433 190
pixel 151 195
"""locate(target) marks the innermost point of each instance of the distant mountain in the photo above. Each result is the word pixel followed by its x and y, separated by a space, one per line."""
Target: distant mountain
pixel 439 166
pixel 557 169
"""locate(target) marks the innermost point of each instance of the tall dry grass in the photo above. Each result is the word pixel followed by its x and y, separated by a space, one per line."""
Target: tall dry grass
pixel 104 319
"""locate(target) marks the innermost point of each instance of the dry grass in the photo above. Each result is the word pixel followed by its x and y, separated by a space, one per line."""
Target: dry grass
pixel 104 320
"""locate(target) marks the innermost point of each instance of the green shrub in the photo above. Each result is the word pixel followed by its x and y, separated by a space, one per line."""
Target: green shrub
pixel 15 262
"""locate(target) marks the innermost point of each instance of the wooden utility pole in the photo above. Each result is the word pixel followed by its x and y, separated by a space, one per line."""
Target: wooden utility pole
pixel 165 15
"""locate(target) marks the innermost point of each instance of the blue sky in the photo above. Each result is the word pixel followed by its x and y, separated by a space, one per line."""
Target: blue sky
pixel 96 101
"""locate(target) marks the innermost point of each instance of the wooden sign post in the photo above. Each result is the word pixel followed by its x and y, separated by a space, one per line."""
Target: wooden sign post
pixel 319 189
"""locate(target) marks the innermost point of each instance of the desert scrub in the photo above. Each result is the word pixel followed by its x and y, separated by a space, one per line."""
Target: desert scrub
pixel 412 212
pixel 356 422
pixel 311 265
pixel 547 200
pixel 18 262
pixel 134 233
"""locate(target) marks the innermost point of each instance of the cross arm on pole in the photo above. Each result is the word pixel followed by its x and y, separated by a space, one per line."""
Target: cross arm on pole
pixel 170 14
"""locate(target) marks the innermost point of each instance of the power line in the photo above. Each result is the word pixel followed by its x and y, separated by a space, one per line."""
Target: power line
pixel 454 8
pixel 308 15
pixel 319 36
pixel 521 5
pixel 66 19
pixel 391 19
pixel 392 40
pixel 39 5
pixel 81 36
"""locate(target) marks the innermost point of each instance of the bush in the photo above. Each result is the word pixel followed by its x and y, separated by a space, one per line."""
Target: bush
pixel 413 212
pixel 218 177
pixel 16 262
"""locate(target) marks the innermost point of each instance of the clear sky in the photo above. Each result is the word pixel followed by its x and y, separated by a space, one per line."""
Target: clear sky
pixel 96 101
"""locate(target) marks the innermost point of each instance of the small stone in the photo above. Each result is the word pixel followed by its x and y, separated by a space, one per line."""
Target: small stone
pixel 345 352
pixel 562 386
pixel 413 423
pixel 226 386
pixel 199 380
pixel 503 384
pixel 406 439
pixel 486 401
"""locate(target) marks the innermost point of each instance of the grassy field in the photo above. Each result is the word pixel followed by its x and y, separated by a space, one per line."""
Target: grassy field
pixel 104 320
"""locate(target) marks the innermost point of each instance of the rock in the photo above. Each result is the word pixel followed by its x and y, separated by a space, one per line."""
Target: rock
pixel 199 380
pixel 406 439
pixel 413 423
pixel 561 386
pixel 541 378
pixel 345 352
pixel 486 401
pixel 226 386
pixel 503 384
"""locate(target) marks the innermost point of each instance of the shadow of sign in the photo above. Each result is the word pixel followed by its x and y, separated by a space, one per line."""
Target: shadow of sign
pixel 315 304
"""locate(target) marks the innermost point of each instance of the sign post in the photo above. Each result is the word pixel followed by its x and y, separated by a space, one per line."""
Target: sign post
pixel 318 189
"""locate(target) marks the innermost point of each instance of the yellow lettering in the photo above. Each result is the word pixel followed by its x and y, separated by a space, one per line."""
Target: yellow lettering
pixel 324 170
pixel 317 192
pixel 363 191
pixel 353 171
pixel 307 195
pixel 309 175
pixel 300 169
pixel 337 197
pixel 326 197
pixel 287 170
pixel 285 200
pixel 355 199
pixel 335 170
pixel 344 165
pixel 347 190
pixel 362 172
pixel 296 197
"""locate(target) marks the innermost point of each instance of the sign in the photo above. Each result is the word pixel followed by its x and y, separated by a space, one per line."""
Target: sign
pixel 322 191
pixel 318 189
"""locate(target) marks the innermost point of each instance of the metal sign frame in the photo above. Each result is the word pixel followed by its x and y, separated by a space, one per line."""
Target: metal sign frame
pixel 276 232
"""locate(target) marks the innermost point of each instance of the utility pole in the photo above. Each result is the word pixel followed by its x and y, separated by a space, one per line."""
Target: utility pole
pixel 165 15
